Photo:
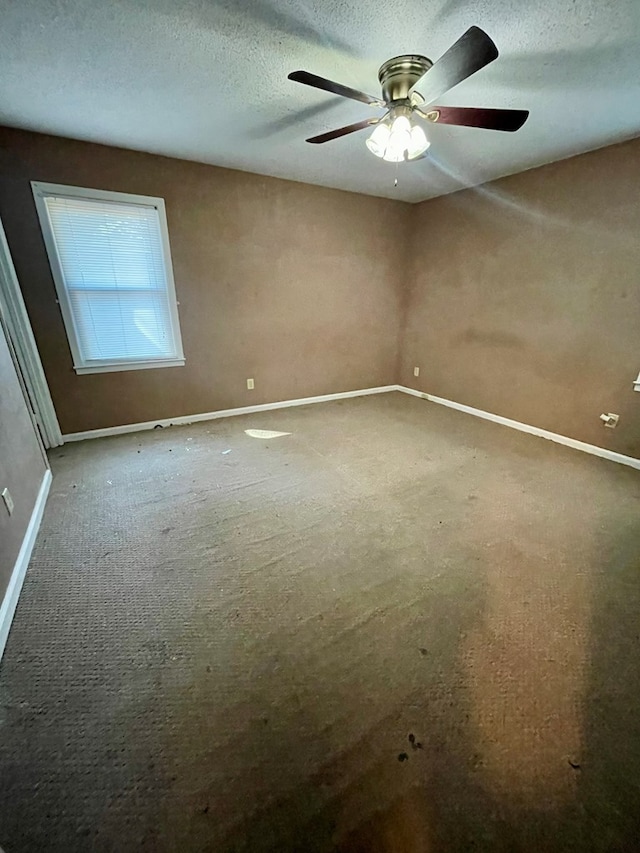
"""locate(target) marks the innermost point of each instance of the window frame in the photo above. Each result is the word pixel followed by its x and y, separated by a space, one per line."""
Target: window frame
pixel 83 366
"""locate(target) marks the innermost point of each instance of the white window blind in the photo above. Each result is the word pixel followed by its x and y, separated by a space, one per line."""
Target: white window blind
pixel 112 265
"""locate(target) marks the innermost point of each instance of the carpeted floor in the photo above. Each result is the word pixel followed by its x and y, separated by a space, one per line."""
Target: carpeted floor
pixel 397 629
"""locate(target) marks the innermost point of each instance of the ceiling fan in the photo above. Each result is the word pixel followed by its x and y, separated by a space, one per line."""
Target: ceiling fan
pixel 396 136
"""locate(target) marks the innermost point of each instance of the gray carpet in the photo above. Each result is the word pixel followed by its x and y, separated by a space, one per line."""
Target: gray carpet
pixel 397 629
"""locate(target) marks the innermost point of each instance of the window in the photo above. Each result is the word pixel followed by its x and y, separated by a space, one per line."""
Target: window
pixel 111 264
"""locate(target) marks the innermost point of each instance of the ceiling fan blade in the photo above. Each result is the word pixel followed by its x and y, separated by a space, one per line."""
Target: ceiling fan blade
pixel 506 120
pixel 343 131
pixel 337 88
pixel 469 54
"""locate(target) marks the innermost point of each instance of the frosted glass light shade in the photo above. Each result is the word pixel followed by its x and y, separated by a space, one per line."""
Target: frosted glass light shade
pixel 401 124
pixel 418 143
pixel 399 140
pixel 377 142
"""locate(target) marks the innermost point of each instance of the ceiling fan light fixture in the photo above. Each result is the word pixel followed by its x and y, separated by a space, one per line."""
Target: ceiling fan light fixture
pixel 418 143
pixel 395 137
pixel 377 142
pixel 399 139
pixel 394 155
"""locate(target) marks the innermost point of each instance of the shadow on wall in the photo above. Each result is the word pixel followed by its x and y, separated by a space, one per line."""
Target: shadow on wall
pixel 494 203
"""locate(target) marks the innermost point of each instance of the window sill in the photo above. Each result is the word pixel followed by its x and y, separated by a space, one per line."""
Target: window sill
pixel 112 367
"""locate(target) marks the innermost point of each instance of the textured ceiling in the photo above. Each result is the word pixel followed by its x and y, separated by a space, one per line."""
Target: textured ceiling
pixel 207 80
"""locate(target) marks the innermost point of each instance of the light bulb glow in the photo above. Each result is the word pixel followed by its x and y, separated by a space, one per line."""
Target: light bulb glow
pixel 401 124
pixel 394 155
pixel 397 140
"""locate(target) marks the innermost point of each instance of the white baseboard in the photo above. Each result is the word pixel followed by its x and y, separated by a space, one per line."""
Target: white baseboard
pixel 593 449
pixel 10 601
pixel 224 413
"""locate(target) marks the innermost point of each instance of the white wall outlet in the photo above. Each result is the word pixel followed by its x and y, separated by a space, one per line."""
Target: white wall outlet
pixel 609 419
pixel 416 371
pixel 8 500
pixel 250 385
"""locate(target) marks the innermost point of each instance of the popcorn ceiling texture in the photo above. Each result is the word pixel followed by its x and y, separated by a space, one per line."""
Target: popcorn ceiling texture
pixel 398 628
pixel 207 80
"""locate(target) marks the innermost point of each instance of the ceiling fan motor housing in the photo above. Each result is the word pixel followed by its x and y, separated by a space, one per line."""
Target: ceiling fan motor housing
pixel 397 76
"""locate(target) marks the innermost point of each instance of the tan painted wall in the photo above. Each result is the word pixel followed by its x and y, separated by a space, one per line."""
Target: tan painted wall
pixel 296 286
pixel 520 298
pixel 22 465
pixel 524 297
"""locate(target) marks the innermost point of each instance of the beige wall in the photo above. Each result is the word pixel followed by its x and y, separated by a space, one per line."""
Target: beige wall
pixel 294 285
pixel 520 298
pixel 22 464
pixel 524 297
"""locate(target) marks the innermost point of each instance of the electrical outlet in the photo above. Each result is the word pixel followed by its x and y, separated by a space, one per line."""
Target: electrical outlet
pixel 8 500
pixel 609 419
pixel 250 385
pixel 416 371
